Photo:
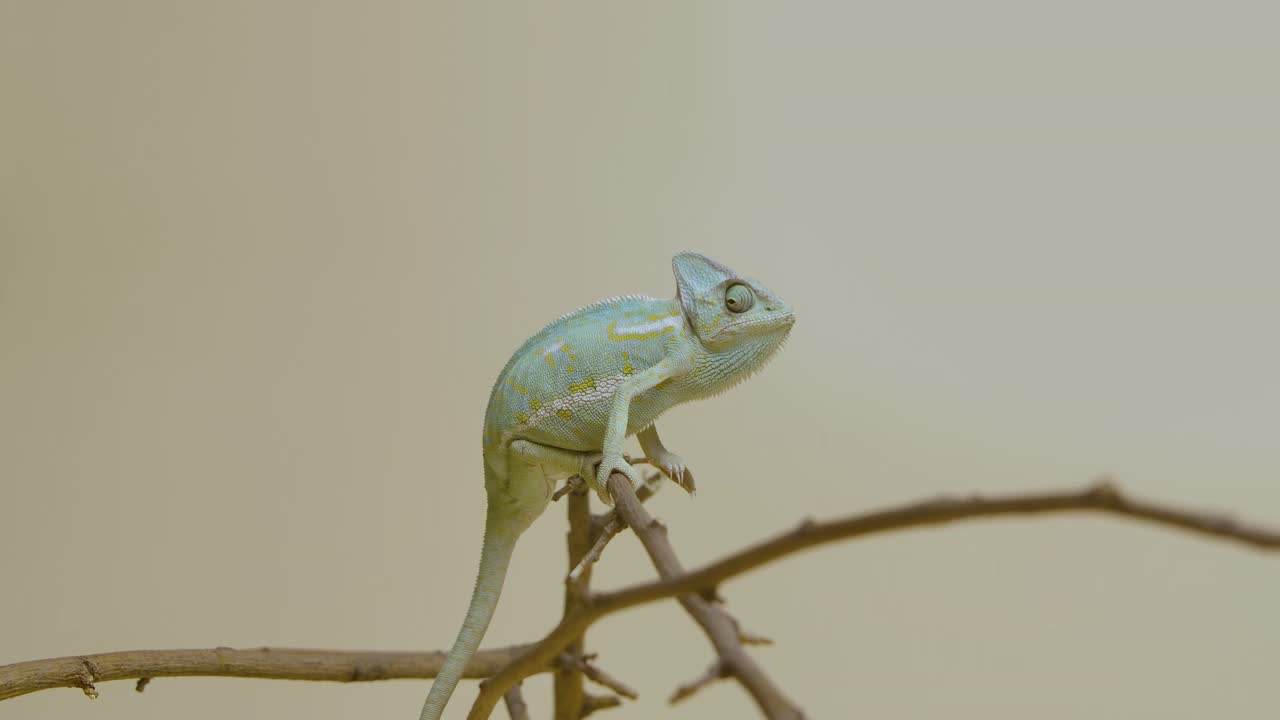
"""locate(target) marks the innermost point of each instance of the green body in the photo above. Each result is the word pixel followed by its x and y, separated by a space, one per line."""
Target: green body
pixel 569 397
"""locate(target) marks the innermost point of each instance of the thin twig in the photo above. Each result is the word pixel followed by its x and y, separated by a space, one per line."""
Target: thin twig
pixel 720 628
pixel 607 526
pixel 596 675
pixel 607 533
pixel 573 484
pixel 516 709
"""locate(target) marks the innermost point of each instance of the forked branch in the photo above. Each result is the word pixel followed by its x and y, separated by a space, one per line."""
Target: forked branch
pixel 720 628
pixel 508 666
pixel 1102 497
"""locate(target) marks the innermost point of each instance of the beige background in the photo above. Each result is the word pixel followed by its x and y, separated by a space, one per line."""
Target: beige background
pixel 259 263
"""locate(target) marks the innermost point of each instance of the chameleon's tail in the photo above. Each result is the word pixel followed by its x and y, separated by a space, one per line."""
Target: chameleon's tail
pixel 499 540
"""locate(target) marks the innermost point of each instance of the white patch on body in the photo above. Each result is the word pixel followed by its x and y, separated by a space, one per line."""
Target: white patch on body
pixel 649 326
pixel 601 393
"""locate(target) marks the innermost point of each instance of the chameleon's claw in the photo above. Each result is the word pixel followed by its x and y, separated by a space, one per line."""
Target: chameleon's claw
pixel 684 478
pixel 672 465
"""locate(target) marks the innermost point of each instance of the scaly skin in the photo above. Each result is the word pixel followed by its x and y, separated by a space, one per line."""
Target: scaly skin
pixel 569 397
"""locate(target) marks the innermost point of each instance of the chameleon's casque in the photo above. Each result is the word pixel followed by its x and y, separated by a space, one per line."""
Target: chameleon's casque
pixel 569 397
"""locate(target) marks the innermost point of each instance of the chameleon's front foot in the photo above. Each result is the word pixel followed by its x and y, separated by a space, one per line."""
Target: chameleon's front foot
pixel 609 464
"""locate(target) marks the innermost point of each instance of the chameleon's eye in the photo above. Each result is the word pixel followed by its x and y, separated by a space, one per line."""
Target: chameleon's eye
pixel 739 298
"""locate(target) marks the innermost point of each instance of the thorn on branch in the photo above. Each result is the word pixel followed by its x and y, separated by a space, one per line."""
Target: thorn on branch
pixel 747 638
pixel 712 595
pixel 573 484
pixel 717 671
pixel 1105 492
pixel 141 684
pixel 88 677
pixel 592 703
pixel 593 673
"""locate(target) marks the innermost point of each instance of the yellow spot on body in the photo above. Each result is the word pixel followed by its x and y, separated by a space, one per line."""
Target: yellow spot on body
pixel 626 355
pixel 523 418
pixel 521 390
pixel 707 327
pixel 627 369
pixel 583 385
pixel 673 313
pixel 551 361
pixel 565 414
pixel 535 404
pixel 571 368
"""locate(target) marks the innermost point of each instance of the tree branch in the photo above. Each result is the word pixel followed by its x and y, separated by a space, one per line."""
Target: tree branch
pixel 568 687
pixel 83 671
pixel 1102 497
pixel 510 665
pixel 720 628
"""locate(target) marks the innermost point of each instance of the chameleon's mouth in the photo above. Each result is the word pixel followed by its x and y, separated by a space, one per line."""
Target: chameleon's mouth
pixel 767 324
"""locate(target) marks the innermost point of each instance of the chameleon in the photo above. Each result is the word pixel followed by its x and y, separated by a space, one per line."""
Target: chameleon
pixel 570 396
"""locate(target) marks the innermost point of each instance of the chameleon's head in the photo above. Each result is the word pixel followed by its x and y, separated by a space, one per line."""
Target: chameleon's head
pixel 726 311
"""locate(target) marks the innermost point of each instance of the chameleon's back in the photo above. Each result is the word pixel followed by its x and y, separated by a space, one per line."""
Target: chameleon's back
pixel 556 388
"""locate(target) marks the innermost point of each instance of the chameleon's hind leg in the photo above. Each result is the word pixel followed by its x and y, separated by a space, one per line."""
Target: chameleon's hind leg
pixel 671 464
pixel 556 464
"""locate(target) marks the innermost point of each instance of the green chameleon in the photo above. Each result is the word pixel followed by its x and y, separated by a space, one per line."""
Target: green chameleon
pixel 569 397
